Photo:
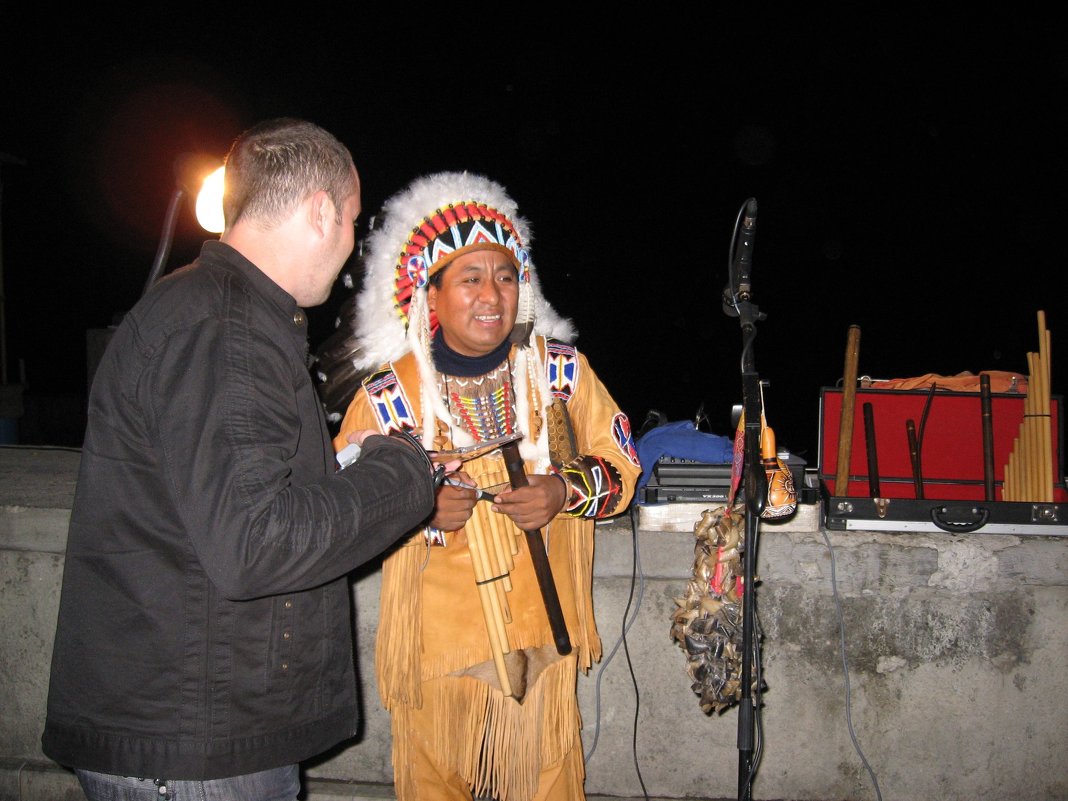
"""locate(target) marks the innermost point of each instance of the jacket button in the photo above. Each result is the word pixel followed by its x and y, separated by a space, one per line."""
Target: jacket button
pixel 299 318
pixel 285 666
pixel 288 604
pixel 286 635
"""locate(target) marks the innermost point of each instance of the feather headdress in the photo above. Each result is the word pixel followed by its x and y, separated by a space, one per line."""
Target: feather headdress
pixel 420 230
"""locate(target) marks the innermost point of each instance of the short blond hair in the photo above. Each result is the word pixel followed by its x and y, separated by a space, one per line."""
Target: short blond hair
pixel 275 165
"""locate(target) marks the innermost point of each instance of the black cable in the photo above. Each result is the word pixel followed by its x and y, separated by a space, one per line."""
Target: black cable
pixel 730 258
pixel 758 683
pixel 605 662
pixel 923 426
pixel 845 668
pixel 630 666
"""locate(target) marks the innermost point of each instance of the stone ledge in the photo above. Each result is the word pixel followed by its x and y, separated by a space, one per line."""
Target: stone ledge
pixel 39 478
pixel 682 516
pixel 27 528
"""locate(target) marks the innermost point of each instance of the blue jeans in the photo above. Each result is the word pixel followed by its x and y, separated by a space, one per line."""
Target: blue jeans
pixel 276 784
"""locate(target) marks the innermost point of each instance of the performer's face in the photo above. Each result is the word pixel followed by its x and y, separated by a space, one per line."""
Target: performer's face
pixel 476 301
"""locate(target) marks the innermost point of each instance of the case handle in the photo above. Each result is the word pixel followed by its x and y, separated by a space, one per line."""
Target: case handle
pixel 939 518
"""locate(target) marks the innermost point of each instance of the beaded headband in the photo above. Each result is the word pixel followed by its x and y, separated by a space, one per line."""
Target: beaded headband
pixel 448 233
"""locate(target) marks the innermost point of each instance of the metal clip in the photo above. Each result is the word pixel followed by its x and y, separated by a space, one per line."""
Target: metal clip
pixel 881 505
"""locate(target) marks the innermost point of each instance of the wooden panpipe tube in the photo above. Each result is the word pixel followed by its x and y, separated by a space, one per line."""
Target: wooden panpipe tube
pixel 1029 471
pixel 488 586
pixel 493 581
pixel 1020 458
pixel 496 562
pixel 1032 436
pixel 505 534
pixel 505 545
pixel 1044 421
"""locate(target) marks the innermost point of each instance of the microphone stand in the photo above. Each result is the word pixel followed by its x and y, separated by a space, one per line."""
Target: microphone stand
pixel 738 302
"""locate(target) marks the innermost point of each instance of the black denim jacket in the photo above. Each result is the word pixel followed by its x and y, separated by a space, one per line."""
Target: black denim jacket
pixel 204 625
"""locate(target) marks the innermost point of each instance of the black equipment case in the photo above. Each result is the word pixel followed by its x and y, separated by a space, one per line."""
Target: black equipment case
pixel 677 480
pixel 952 494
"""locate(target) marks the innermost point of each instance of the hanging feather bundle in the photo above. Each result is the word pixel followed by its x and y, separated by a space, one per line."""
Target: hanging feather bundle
pixel 707 624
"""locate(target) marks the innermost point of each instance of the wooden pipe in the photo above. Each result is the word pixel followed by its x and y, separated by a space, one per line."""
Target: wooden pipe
pixel 849 399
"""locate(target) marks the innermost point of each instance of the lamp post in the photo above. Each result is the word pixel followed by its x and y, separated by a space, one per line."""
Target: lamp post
pixel 10 394
pixel 198 176
pixel 5 158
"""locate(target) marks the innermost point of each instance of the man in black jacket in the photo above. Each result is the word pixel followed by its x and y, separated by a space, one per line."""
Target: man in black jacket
pixel 204 630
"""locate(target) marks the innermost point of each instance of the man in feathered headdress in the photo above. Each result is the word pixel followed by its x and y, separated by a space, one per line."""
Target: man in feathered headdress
pixel 464 349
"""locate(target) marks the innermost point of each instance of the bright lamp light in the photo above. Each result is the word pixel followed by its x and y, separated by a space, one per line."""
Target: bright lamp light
pixel 209 202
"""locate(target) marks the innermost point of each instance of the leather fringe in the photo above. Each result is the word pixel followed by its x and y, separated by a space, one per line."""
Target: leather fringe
pixel 400 628
pixel 580 537
pixel 496 745
pixel 399 665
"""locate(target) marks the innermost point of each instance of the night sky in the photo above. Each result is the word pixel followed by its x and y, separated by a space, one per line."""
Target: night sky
pixel 910 172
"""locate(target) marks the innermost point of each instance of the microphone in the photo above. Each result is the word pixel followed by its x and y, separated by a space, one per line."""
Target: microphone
pixel 739 287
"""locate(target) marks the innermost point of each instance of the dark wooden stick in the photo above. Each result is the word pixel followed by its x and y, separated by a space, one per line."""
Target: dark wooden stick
pixel 988 437
pixel 914 458
pixel 873 457
pixel 849 399
pixel 517 476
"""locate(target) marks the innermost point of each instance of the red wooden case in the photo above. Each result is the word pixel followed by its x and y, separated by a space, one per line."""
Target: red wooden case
pixel 951 452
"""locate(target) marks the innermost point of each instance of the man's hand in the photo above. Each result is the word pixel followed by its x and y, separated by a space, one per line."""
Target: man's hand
pixel 533 506
pixel 453 506
pixel 357 437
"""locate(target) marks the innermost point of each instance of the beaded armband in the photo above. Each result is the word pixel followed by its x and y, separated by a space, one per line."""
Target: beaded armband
pixel 596 487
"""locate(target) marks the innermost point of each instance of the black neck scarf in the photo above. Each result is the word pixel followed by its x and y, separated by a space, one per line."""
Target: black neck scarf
pixel 449 362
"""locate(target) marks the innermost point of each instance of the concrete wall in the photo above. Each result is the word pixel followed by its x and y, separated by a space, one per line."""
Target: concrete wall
pixel 957 652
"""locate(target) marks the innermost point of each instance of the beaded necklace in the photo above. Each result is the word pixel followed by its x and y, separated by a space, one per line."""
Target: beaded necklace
pixel 483 406
pixel 481 401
